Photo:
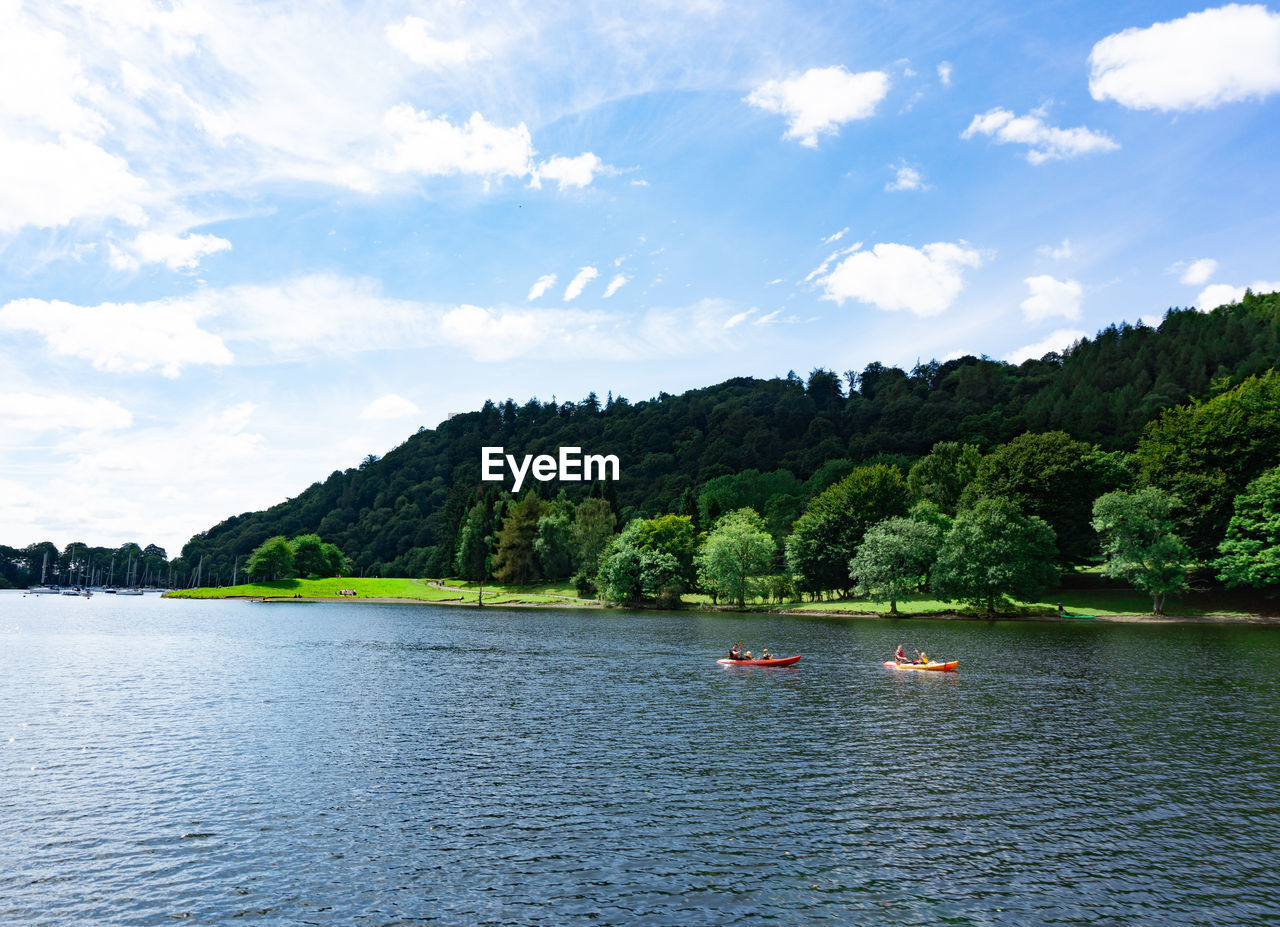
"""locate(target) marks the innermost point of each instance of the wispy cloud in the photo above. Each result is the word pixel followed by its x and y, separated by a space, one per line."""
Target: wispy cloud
pixel 584 276
pixel 617 283
pixel 1044 142
pixel 540 286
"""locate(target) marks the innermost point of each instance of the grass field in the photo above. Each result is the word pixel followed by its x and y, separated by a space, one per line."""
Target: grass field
pixel 369 588
pixel 1095 599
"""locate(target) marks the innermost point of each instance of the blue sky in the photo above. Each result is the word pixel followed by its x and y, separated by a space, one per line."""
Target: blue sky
pixel 243 245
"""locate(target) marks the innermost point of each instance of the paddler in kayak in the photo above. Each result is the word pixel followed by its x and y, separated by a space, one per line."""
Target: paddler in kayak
pixel 922 658
pixel 735 652
pixel 900 655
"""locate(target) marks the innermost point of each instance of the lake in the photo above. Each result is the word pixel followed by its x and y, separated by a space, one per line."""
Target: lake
pixel 355 763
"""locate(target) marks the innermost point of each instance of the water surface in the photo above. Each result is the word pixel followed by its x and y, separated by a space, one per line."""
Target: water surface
pixel 375 764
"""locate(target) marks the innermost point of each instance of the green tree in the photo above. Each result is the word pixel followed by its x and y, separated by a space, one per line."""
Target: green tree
pixel 1140 542
pixel 593 525
pixel 994 552
pixel 517 561
pixel 893 558
pixel 1250 553
pixel 629 573
pixel 738 549
pixel 471 557
pixel 672 535
pixel 554 544
pixel 941 475
pixel 272 559
pixel 1051 476
pixel 827 535
pixel 309 556
pixel 1207 452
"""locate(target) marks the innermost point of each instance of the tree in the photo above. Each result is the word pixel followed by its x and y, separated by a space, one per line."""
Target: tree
pixel 738 549
pixel 1250 553
pixel 471 557
pixel 629 573
pixel 1207 452
pixel 272 559
pixel 554 545
pixel 993 552
pixel 894 556
pixel 593 525
pixel 827 535
pixel 1049 475
pixel 1140 542
pixel 309 556
pixel 941 475
pixel 516 561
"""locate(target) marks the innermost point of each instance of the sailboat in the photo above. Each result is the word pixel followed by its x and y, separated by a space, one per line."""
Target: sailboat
pixel 130 588
pixel 44 588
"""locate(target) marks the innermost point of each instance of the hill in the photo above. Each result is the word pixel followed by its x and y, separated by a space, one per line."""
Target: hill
pixel 399 515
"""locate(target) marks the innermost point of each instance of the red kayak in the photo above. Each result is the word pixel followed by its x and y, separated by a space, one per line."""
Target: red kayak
pixel 779 661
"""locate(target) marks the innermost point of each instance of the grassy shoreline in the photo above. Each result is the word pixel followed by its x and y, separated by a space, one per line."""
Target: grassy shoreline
pixel 1091 605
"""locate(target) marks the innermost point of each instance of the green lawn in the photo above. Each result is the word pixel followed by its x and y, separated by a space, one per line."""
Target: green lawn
pixel 370 588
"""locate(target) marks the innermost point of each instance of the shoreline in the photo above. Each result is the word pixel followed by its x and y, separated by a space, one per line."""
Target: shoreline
pixel 1256 620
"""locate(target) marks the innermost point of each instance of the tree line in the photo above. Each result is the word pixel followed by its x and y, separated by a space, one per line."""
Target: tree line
pixel 775 445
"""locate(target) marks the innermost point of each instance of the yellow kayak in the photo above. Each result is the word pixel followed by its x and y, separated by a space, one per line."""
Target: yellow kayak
pixel 949 667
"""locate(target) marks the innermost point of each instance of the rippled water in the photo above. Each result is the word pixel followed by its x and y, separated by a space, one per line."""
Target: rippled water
pixel 356 763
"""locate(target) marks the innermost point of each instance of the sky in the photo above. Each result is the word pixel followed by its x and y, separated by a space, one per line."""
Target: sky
pixel 243 245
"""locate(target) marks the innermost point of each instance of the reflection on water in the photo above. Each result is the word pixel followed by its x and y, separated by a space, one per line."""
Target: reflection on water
pixel 384 764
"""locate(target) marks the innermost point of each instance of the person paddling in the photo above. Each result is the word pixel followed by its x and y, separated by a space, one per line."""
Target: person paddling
pixel 900 655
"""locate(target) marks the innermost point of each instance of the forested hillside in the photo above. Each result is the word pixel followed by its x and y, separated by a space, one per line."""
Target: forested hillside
pixel 401 514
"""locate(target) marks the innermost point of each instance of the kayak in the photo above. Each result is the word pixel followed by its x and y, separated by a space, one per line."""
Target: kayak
pixel 934 665
pixel 778 661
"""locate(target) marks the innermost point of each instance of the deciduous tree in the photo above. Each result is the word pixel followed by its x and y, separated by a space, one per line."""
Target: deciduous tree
pixel 738 549
pixel 1250 553
pixel 1141 543
pixel 993 552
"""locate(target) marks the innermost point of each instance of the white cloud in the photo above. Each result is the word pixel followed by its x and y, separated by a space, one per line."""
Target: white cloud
pixel 944 73
pixel 568 172
pixel 1224 294
pixel 819 101
pixel 540 286
pixel 835 237
pixel 390 406
pixel 176 252
pixel 121 337
pixel 906 178
pixel 1052 297
pixel 739 318
pixel 1044 142
pixel 617 283
pixel 29 411
pixel 433 145
pixel 924 281
pixel 584 276
pixel 53 183
pixel 505 334
pixel 1200 61
pixel 1198 272
pixel 413 37
pixel 1059 253
pixel 1058 342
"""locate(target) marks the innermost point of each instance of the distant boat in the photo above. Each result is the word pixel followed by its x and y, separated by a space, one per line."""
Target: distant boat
pixel 44 588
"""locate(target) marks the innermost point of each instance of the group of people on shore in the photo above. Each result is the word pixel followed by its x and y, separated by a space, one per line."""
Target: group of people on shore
pixel 739 652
